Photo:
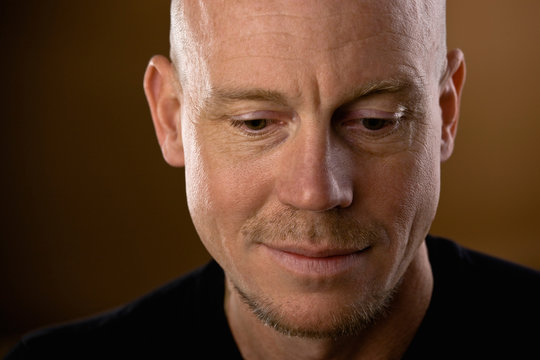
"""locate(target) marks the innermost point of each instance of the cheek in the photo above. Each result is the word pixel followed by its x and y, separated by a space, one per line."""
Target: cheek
pixel 222 193
pixel 420 186
pixel 402 193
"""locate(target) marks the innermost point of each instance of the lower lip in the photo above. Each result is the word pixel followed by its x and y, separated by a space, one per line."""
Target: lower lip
pixel 316 266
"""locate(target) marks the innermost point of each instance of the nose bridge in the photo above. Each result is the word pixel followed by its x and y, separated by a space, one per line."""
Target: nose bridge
pixel 313 174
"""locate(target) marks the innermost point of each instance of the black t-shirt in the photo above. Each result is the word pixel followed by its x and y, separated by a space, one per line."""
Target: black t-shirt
pixel 481 308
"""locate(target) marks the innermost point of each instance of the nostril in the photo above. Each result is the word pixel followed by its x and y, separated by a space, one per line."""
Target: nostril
pixel 315 191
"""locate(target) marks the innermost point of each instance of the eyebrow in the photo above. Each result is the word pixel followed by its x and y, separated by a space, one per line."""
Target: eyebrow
pixel 230 95
pixel 391 85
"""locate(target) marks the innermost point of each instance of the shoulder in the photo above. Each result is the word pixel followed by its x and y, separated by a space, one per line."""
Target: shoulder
pixel 481 306
pixel 164 321
pixel 456 266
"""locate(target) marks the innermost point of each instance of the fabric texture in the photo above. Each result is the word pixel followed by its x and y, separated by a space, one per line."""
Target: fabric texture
pixel 481 308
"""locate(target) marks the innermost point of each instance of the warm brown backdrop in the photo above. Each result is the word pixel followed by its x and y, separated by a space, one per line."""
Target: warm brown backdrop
pixel 91 215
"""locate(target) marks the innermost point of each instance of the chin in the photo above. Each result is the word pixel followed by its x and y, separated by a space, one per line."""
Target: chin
pixel 318 315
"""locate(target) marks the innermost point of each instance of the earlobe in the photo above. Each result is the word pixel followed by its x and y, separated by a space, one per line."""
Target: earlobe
pixel 163 99
pixel 450 99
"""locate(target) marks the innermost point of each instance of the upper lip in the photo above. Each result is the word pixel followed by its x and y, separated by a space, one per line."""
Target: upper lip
pixel 316 252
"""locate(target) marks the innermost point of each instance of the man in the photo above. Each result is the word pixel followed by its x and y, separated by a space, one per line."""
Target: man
pixel 312 134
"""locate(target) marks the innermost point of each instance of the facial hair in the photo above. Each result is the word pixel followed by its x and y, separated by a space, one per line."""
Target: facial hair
pixel 331 228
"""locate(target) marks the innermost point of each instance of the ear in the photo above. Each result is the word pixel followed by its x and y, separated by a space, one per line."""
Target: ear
pixel 450 99
pixel 162 94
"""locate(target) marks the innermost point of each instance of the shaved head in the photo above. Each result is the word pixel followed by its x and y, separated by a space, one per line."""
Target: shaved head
pixel 194 24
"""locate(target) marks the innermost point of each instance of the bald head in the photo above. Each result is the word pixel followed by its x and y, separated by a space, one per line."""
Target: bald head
pixel 198 28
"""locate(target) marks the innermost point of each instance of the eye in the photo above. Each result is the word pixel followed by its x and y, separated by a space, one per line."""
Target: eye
pixel 256 124
pixel 374 124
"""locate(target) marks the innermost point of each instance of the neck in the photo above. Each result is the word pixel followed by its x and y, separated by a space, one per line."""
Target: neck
pixel 388 338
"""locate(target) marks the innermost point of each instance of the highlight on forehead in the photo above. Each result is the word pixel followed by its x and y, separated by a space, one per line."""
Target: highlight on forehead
pixel 188 44
pixel 186 41
pixel 177 32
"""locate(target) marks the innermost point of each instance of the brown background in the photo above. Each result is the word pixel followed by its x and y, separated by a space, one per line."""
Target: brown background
pixel 92 216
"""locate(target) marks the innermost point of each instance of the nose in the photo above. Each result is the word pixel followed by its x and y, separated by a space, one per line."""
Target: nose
pixel 314 172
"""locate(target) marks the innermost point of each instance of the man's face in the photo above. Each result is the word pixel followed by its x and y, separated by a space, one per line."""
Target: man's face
pixel 312 143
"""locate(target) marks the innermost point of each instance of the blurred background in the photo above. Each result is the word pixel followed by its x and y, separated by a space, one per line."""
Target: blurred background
pixel 92 217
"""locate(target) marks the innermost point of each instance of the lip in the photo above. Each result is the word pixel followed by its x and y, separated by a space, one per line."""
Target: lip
pixel 315 262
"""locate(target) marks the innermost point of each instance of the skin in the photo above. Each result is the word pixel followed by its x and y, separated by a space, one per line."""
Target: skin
pixel 267 107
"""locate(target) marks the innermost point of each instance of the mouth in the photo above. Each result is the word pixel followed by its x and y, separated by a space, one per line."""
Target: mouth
pixel 318 262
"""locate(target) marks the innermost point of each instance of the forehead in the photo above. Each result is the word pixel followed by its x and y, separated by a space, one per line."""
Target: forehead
pixel 296 44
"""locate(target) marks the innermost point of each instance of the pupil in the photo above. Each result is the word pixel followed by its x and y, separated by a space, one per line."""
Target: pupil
pixel 374 124
pixel 257 124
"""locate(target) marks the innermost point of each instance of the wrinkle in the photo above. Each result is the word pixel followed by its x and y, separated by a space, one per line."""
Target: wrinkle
pixel 296 16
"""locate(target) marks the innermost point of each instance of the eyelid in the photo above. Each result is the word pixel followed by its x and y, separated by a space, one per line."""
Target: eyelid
pixel 262 114
pixel 374 114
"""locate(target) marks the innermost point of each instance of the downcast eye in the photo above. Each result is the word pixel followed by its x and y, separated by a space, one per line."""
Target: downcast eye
pixel 374 124
pixel 257 124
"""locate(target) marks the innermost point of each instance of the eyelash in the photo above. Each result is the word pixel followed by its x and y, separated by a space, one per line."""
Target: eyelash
pixel 386 125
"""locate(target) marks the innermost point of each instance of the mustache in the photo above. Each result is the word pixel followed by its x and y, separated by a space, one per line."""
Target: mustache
pixel 293 227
